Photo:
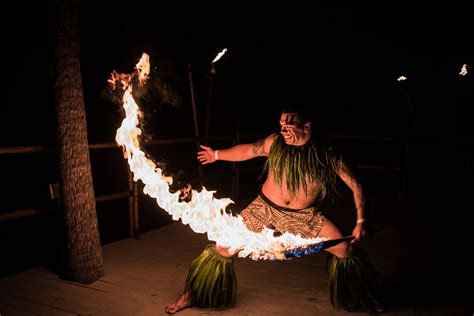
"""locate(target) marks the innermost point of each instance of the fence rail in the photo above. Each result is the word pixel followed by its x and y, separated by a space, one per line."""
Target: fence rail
pixel 132 193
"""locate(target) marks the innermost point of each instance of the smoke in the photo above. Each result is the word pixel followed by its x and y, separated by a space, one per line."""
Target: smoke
pixel 152 98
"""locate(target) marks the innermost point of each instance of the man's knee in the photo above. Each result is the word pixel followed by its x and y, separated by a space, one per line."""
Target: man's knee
pixel 343 250
pixel 224 251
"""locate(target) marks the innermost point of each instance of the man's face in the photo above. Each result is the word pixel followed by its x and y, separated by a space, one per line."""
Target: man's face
pixel 293 130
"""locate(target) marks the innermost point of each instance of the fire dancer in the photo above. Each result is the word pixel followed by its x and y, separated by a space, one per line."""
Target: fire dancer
pixel 300 172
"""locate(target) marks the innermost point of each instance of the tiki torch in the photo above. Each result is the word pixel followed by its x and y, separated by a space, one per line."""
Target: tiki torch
pixel 464 70
pixel 212 74
pixel 402 79
pixel 196 126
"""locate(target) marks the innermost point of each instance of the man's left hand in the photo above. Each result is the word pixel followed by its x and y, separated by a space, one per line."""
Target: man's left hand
pixel 358 232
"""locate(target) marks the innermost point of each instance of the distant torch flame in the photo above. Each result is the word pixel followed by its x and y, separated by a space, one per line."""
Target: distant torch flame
pixel 464 69
pixel 203 213
pixel 401 78
pixel 219 55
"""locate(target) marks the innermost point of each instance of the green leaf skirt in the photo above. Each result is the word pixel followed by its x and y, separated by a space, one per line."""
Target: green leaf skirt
pixel 211 279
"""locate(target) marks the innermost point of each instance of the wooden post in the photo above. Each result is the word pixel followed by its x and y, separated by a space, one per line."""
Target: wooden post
pixel 131 204
pixel 136 220
pixel 410 107
pixel 405 168
pixel 235 167
pixel 212 73
pixel 196 124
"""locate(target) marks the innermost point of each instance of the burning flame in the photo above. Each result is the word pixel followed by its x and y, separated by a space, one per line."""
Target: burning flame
pixel 401 78
pixel 203 213
pixel 464 69
pixel 219 55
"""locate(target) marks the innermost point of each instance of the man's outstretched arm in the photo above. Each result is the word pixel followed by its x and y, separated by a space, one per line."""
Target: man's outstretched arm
pixel 239 152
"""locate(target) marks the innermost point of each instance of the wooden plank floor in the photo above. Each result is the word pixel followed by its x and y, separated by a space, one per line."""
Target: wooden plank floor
pixel 143 275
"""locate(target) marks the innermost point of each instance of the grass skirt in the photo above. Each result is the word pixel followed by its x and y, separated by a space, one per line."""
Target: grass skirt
pixel 211 279
pixel 353 282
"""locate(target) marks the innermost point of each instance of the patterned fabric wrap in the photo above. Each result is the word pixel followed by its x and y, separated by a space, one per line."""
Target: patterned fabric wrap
pixel 353 283
pixel 211 279
pixel 263 213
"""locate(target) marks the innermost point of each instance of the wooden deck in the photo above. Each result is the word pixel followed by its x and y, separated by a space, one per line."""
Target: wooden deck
pixel 143 275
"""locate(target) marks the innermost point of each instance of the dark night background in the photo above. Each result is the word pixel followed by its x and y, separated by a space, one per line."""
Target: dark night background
pixel 344 60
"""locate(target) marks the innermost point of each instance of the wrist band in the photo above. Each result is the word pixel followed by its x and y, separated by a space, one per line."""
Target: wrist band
pixel 216 154
pixel 360 220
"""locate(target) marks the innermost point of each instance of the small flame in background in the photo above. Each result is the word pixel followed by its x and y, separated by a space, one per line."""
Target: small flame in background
pixel 464 69
pixel 401 78
pixel 203 213
pixel 219 55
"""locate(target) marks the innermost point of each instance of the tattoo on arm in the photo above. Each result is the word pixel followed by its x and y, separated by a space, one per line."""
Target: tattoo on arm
pixel 350 179
pixel 346 173
pixel 345 169
pixel 258 148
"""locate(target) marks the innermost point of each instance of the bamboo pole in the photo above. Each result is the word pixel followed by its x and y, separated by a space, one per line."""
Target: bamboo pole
pixel 235 167
pixel 196 124
pixel 405 169
pixel 410 107
pixel 212 74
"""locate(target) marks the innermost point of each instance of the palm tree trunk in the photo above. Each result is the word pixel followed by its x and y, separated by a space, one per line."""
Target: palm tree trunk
pixel 83 257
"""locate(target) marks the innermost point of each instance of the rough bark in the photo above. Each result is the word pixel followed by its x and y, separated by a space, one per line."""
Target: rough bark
pixel 83 257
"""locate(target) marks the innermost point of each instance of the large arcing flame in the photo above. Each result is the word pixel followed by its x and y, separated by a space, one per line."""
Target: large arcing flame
pixel 203 213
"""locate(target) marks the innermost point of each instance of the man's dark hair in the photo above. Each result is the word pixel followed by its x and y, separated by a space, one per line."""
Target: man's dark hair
pixel 307 114
pixel 303 111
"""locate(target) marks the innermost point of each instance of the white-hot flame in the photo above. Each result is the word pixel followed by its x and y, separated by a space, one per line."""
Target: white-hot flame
pixel 219 55
pixel 203 213
pixel 401 78
pixel 143 68
pixel 463 71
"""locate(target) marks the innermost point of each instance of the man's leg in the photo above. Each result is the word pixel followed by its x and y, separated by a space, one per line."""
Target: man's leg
pixel 252 215
pixel 204 287
pixel 353 279
pixel 330 231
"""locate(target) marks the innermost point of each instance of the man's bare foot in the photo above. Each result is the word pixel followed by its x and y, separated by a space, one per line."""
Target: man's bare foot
pixel 182 302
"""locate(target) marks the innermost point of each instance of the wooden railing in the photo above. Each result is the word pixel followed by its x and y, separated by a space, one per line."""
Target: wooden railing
pixel 402 168
pixel 132 193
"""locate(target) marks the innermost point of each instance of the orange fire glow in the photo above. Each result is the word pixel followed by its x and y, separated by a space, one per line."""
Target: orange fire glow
pixel 203 213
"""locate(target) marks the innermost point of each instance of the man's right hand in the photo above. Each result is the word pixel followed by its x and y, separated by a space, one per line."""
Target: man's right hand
pixel 207 155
